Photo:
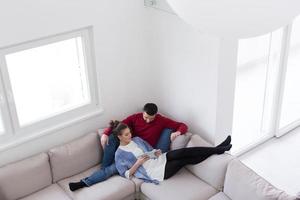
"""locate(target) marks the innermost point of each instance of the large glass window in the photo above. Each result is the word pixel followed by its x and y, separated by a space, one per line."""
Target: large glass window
pixel 257 59
pixel 290 111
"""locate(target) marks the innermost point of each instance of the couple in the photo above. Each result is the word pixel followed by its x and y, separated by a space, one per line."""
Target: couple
pixel 151 128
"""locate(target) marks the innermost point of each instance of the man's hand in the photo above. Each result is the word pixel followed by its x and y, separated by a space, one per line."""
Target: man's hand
pixel 158 153
pixel 104 140
pixel 174 135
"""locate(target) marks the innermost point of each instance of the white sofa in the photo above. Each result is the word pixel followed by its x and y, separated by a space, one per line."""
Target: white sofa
pixel 46 177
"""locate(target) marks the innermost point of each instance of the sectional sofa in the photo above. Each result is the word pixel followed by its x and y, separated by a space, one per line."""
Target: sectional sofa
pixel 46 177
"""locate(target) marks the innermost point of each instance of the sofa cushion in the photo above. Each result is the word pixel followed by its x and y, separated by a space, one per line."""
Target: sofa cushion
pixel 115 188
pixel 213 169
pixel 53 192
pixel 243 183
pixel 24 177
pixel 219 196
pixel 181 141
pixel 183 185
pixel 75 157
pixel 137 183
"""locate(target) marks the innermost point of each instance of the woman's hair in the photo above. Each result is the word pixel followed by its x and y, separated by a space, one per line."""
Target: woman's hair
pixel 117 127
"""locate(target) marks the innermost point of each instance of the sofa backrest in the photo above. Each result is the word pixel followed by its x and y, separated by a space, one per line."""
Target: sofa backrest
pixel 243 183
pixel 181 141
pixel 213 169
pixel 25 177
pixel 196 140
pixel 75 157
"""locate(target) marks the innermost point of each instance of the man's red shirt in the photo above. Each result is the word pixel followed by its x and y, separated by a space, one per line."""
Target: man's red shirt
pixel 150 131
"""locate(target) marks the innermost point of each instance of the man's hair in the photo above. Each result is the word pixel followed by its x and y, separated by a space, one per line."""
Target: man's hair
pixel 150 108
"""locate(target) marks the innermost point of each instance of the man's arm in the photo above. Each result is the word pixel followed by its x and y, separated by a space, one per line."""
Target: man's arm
pixel 179 127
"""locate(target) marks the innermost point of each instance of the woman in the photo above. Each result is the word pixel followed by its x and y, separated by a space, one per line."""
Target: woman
pixel 131 160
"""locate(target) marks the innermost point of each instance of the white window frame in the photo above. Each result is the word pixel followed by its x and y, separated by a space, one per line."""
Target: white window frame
pixel 289 127
pixel 266 136
pixel 280 80
pixel 13 130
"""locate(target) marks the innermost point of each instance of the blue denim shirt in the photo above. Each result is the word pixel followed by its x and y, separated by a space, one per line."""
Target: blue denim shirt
pixel 125 160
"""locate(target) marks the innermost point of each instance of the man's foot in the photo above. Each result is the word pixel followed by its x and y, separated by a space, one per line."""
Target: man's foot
pixel 226 142
pixel 77 185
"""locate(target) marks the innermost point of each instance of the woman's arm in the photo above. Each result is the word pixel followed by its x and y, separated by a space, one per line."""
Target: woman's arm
pixel 137 164
pixel 124 160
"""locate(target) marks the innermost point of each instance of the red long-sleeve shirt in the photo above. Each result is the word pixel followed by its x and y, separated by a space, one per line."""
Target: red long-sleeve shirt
pixel 150 131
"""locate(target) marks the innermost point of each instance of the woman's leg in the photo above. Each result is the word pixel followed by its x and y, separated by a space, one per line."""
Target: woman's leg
pixel 226 142
pixel 191 152
pixel 173 166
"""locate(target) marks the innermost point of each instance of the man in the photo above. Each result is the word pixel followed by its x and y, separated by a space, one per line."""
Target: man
pixel 150 126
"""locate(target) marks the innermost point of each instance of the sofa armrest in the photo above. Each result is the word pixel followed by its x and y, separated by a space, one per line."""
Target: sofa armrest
pixel 243 183
pixel 213 169
pixel 24 177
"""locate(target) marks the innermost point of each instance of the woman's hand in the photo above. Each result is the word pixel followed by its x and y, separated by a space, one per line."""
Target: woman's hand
pixel 142 159
pixel 158 153
pixel 137 164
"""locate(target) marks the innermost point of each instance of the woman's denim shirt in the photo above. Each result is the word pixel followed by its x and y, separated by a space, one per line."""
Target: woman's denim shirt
pixel 125 160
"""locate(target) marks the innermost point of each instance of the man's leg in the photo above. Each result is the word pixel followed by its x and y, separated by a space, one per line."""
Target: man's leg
pixel 109 151
pixel 101 175
pixel 108 168
pixel 164 141
pixel 98 176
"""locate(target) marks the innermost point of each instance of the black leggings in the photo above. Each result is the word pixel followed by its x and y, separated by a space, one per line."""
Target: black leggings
pixel 179 158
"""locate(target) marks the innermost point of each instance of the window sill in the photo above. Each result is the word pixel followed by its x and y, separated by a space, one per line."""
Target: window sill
pixel 10 141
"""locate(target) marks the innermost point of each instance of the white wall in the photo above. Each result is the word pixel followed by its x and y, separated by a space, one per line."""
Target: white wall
pixel 120 51
pixel 142 54
pixel 186 64
pixel 195 74
pixel 226 84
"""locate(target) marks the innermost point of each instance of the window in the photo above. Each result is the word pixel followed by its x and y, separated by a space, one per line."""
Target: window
pixel 290 111
pixel 267 99
pixel 257 63
pixel 48 82
pixel 1 124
